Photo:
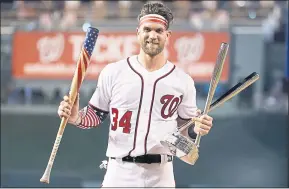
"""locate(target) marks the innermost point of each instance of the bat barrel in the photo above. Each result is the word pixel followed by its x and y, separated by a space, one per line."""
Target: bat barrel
pixel 83 62
pixel 216 74
pixel 235 90
pixel 214 80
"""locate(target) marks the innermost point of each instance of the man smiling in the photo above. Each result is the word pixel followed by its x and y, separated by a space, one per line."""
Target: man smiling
pixel 145 96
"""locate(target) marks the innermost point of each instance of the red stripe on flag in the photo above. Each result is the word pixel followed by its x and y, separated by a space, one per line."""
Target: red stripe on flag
pixel 86 58
pixel 79 73
pixel 93 117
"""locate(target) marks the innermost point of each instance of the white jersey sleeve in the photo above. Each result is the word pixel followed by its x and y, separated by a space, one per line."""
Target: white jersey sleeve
pixel 188 107
pixel 102 94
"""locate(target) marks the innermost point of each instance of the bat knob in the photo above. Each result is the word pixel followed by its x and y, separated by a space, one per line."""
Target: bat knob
pixel 93 29
pixel 45 177
pixel 43 180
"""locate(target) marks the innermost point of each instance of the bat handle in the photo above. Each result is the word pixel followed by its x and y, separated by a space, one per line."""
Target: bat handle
pixel 198 138
pixel 46 176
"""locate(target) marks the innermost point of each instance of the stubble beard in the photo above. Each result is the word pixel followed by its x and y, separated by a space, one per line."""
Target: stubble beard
pixel 151 51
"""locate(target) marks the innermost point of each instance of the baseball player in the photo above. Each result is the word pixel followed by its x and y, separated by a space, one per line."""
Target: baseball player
pixel 145 96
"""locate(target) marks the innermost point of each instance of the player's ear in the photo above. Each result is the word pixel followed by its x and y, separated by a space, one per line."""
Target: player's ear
pixel 169 33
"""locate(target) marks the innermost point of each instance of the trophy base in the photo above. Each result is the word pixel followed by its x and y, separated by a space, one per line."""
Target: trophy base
pixel 192 157
pixel 182 147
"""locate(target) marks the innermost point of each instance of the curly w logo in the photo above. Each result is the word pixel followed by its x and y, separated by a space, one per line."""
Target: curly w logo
pixel 170 105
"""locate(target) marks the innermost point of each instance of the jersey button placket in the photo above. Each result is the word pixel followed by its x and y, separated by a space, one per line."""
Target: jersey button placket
pixel 149 85
pixel 145 97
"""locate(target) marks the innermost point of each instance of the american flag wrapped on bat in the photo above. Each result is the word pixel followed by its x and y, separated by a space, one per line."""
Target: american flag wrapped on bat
pixel 81 67
pixel 83 61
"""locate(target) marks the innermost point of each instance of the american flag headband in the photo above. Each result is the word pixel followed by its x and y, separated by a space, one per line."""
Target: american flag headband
pixel 153 18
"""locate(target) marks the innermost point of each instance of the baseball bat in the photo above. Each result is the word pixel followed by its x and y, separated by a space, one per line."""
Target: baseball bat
pixel 79 74
pixel 250 79
pixel 236 89
pixel 214 80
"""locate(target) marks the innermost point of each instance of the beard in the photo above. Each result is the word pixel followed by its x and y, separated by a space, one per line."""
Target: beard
pixel 152 49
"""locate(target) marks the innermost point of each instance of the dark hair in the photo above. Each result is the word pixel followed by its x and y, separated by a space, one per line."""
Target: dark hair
pixel 157 8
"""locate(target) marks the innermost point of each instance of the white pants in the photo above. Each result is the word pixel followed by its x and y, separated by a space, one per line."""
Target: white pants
pixel 129 174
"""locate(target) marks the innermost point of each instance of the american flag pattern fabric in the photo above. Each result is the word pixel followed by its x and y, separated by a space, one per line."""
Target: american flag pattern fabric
pixel 85 54
pixel 90 40
pixel 91 117
pixel 88 118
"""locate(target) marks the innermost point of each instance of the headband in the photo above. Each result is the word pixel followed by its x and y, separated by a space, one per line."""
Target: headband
pixel 154 18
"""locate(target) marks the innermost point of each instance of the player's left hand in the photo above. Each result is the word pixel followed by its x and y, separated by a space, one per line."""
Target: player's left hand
pixel 203 124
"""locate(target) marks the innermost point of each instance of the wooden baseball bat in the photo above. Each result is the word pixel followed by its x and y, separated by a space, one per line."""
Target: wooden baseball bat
pixel 236 89
pixel 214 80
pixel 250 79
pixel 79 74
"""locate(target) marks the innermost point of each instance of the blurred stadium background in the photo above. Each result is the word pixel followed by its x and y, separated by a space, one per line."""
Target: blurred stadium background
pixel 40 40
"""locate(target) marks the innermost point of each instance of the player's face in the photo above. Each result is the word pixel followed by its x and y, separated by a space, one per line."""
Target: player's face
pixel 152 38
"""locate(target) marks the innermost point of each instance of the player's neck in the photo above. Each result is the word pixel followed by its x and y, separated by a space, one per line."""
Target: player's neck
pixel 152 63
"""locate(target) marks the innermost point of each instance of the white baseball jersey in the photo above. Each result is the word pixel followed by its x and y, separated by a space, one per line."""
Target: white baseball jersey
pixel 143 106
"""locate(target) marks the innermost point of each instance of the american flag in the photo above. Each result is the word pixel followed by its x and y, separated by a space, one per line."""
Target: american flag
pixel 90 39
pixel 85 54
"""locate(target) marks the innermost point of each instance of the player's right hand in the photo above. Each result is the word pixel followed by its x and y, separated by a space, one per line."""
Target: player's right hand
pixel 67 110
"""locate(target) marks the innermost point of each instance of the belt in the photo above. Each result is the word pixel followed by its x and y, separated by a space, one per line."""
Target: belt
pixel 148 158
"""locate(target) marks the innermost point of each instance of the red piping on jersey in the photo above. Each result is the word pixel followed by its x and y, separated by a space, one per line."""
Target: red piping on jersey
pixel 139 106
pixel 152 103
